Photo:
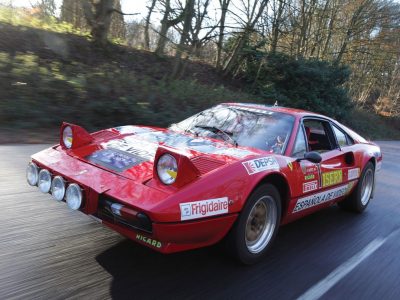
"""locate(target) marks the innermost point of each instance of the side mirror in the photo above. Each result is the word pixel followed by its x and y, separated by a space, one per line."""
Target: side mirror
pixel 312 156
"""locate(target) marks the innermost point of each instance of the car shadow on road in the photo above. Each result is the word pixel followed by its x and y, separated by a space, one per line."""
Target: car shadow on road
pixel 303 252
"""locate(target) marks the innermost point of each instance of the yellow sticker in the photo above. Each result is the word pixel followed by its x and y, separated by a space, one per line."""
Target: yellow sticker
pixel 290 165
pixel 332 178
pixel 171 173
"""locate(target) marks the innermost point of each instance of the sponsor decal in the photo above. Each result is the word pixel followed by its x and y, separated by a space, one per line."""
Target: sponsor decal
pixel 310 186
pixel 260 164
pixel 203 208
pixel 307 168
pixel 145 143
pixel 309 177
pixel 353 174
pixel 290 166
pixel 149 241
pixel 181 141
pixel 319 198
pixel 115 160
pixel 236 152
pixel 134 146
pixel 132 129
pixel 332 178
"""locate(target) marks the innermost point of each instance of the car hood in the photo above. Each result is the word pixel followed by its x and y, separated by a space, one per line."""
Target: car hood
pixel 129 151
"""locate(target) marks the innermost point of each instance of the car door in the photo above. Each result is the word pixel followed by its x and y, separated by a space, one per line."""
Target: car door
pixel 338 161
pixel 318 185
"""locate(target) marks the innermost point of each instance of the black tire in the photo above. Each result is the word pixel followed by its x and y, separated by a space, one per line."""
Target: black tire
pixel 248 239
pixel 360 197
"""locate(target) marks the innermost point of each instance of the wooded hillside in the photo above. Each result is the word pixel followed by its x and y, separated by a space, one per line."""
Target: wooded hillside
pixel 82 61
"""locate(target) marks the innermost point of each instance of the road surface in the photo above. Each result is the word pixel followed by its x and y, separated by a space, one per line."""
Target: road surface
pixel 50 252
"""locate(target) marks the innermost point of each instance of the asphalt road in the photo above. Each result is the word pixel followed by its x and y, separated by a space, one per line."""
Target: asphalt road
pixel 50 252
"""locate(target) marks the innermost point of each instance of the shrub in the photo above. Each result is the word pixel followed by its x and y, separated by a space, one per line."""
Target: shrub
pixel 307 84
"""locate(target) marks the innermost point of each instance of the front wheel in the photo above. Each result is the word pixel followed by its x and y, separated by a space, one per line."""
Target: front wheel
pixel 257 225
pixel 359 198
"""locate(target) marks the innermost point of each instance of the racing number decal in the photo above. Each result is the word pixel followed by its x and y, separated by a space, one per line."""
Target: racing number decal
pixel 332 178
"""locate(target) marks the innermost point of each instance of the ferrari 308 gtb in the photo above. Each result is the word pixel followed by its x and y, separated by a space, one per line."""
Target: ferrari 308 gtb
pixel 234 171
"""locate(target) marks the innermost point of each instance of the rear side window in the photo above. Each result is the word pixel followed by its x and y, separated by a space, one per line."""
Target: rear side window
pixel 342 138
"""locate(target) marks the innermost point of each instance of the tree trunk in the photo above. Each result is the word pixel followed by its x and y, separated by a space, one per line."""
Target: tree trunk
pixel 224 8
pixel 357 15
pixel 236 53
pixel 276 26
pixel 251 23
pixel 98 16
pixel 164 29
pixel 187 23
pixel 147 26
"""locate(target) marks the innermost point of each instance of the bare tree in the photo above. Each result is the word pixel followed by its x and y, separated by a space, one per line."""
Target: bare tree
pixel 98 16
pixel 252 10
pixel 356 21
pixel 101 17
pixel 276 23
pixel 188 13
pixel 147 26
pixel 168 21
pixel 224 5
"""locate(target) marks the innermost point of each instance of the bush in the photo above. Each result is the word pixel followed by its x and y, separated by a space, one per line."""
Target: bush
pixel 307 84
pixel 41 93
pixel 372 126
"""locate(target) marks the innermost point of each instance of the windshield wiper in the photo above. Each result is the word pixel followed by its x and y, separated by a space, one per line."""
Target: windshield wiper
pixel 217 131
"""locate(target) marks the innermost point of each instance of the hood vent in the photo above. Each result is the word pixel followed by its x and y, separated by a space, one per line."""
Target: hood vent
pixel 206 164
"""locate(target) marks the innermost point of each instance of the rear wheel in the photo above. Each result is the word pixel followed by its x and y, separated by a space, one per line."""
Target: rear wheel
pixel 257 225
pixel 359 198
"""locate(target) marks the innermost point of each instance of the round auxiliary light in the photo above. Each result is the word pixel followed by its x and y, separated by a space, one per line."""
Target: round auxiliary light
pixel 58 188
pixel 32 173
pixel 44 182
pixel 167 168
pixel 67 136
pixel 74 196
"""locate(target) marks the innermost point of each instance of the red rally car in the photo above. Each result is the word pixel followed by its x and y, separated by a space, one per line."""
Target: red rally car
pixel 234 171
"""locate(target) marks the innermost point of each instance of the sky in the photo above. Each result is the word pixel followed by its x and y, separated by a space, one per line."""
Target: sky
pixel 128 7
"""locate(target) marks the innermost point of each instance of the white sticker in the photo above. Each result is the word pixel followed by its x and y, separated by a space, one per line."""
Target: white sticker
pixel 203 208
pixel 260 164
pixel 353 174
pixel 133 145
pixel 310 186
pixel 319 198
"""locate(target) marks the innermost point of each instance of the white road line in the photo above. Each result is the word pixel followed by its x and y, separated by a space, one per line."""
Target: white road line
pixel 326 284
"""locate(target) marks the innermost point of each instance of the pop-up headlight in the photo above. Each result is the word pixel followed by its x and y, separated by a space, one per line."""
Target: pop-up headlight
pixel 167 168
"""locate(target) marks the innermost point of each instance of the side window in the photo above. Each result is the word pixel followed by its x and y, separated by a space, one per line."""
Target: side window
pixel 300 144
pixel 318 135
pixel 341 137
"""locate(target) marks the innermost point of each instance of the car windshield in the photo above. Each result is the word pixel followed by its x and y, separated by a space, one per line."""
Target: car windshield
pixel 262 129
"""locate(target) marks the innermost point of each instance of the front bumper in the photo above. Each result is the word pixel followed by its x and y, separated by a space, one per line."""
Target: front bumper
pixel 176 237
pixel 165 237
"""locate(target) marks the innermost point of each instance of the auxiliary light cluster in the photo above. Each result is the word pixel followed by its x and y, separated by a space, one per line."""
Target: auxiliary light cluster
pixel 56 185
